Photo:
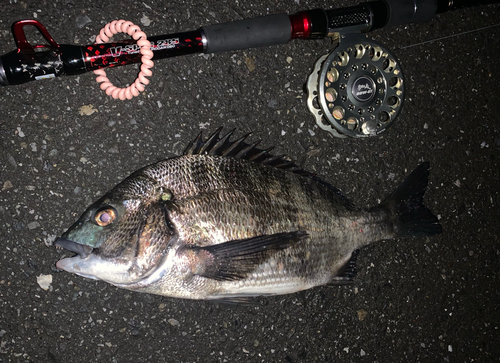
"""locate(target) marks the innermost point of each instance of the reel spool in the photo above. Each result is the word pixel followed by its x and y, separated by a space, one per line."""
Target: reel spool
pixel 357 90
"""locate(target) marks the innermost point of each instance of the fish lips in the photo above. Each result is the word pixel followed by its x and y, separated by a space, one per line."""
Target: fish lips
pixel 82 250
pixel 73 264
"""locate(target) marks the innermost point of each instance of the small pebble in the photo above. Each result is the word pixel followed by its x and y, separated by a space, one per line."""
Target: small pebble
pixel 20 133
pixel 82 20
pixel 87 110
pixel 7 185
pixel 362 314
pixel 44 281
pixel 250 64
pixel 33 225
pixel 145 21
pixel 173 322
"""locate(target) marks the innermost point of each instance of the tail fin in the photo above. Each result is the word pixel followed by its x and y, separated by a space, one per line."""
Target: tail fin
pixel 411 217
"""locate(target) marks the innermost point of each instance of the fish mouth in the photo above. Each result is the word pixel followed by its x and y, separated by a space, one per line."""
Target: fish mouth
pixel 71 264
pixel 82 250
pixel 74 264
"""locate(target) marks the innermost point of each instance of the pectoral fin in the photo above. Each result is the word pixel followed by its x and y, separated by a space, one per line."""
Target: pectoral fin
pixel 233 260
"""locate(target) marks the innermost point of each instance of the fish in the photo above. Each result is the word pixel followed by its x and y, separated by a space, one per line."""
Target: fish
pixel 228 221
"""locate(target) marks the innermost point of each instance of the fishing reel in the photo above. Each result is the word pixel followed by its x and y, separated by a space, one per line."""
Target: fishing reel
pixel 357 90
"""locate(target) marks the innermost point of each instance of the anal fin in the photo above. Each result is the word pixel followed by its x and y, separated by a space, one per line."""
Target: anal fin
pixel 347 273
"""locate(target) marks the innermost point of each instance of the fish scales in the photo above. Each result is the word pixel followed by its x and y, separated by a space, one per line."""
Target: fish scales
pixel 232 199
pixel 272 196
pixel 212 226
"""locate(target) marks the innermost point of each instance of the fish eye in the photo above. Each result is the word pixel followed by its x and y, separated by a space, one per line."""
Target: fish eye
pixel 105 216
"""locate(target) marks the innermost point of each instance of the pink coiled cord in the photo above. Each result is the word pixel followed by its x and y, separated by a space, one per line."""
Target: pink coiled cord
pixel 122 26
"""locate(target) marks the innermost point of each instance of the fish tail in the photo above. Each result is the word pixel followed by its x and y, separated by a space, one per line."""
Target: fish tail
pixel 405 204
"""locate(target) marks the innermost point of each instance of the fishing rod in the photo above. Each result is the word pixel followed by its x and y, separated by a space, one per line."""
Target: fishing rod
pixel 355 91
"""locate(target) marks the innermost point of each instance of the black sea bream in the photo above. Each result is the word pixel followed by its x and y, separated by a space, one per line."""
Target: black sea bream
pixel 228 221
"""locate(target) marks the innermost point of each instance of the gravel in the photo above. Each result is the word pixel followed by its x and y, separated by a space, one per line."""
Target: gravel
pixel 64 143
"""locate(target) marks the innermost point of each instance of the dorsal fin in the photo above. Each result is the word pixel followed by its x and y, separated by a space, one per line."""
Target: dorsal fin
pixel 223 146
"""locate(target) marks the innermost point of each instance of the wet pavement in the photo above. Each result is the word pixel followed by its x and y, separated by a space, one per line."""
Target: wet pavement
pixel 64 143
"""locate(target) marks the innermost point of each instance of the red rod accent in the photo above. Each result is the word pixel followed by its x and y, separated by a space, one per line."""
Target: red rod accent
pixel 301 25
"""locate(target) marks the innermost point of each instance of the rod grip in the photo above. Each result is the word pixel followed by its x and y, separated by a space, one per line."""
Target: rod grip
pixel 248 33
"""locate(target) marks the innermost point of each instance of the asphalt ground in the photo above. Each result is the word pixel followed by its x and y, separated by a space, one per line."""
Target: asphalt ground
pixel 427 299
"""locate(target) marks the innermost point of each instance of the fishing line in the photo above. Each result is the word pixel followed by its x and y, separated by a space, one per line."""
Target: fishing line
pixel 449 36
